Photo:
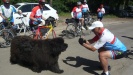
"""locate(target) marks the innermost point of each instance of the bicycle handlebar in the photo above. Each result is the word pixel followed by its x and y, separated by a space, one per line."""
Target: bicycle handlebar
pixel 50 19
pixel 24 15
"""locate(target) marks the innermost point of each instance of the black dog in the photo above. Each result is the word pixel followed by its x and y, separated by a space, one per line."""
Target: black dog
pixel 37 55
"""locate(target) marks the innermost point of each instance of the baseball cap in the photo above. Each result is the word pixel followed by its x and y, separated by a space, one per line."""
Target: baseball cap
pixel 96 24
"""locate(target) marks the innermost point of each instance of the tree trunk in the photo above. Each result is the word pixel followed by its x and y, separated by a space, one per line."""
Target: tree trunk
pixel 51 2
pixel 118 5
pixel 126 2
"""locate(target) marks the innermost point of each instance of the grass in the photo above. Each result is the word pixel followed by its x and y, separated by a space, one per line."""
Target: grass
pixel 63 16
pixel 68 14
pixel 110 16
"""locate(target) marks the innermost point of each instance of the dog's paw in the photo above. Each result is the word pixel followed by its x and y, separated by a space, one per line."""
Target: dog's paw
pixel 36 69
pixel 57 71
pixel 60 71
pixel 13 60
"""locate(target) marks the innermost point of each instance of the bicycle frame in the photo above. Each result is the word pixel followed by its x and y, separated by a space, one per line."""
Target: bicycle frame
pixel 75 28
pixel 7 34
pixel 39 34
pixel 23 25
pixel 48 32
pixel 48 25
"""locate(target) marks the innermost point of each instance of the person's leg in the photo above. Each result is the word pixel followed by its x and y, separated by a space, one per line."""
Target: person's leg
pixel 82 22
pixel 35 29
pixel 5 24
pixel 104 55
pixel 14 28
pixel 37 34
pixel 98 18
pixel 101 18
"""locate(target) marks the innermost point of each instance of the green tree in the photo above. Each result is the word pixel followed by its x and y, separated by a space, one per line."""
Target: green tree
pixel 67 5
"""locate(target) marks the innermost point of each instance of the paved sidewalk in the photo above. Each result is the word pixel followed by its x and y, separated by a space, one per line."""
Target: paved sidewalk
pixel 80 60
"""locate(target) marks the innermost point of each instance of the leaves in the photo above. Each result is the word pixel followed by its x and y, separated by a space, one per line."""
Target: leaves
pixel 67 5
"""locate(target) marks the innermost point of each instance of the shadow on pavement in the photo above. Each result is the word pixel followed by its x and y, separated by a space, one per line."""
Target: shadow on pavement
pixel 91 64
pixel 129 54
pixel 128 37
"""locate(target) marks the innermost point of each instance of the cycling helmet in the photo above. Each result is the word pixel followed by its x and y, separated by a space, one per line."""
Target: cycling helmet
pixel 6 1
pixel 78 3
pixel 85 1
pixel 42 2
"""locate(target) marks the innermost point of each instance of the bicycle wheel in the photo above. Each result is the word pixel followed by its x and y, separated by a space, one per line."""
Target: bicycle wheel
pixel 70 31
pixel 8 35
pixel 91 21
pixel 24 30
pixel 27 31
pixel 79 30
pixel 34 36
pixel 1 26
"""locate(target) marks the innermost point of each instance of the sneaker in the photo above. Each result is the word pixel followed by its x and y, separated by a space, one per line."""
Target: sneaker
pixel 109 67
pixel 88 27
pixel 2 45
pixel 83 28
pixel 104 73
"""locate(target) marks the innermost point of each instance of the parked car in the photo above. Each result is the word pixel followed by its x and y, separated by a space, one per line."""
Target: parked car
pixel 26 8
pixel 127 12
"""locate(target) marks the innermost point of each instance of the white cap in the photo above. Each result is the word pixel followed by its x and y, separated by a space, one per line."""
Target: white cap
pixel 96 24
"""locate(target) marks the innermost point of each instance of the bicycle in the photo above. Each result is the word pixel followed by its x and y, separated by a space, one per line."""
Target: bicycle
pixel 22 26
pixel 45 30
pixel 7 34
pixel 73 29
pixel 88 19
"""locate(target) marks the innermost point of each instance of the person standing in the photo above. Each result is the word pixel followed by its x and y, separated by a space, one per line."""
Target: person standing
pixel 101 12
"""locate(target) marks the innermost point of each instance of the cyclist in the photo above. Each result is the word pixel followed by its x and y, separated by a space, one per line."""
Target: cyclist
pixel 107 44
pixel 85 7
pixel 101 12
pixel 36 17
pixel 77 13
pixel 85 11
pixel 6 12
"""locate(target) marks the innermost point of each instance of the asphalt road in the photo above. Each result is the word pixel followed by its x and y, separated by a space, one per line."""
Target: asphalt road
pixel 77 59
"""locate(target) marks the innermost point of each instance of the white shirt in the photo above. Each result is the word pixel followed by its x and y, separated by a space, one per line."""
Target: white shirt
pixel 109 41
